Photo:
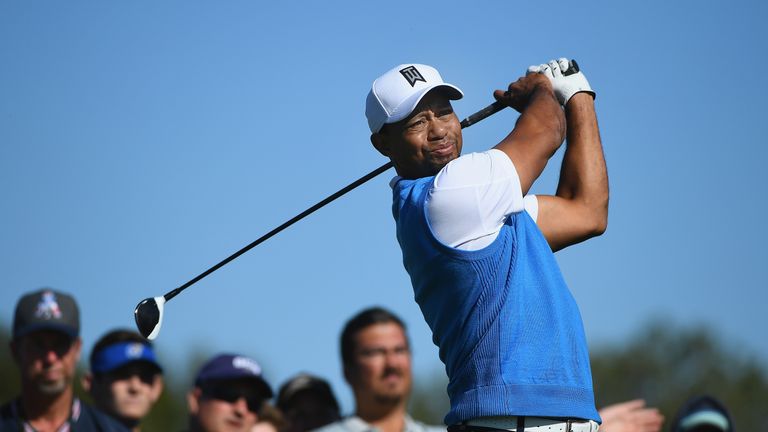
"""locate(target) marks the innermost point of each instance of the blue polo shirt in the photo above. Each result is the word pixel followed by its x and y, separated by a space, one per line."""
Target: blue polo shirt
pixel 506 325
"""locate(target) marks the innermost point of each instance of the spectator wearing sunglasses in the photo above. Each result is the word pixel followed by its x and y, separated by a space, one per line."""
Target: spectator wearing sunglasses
pixel 228 395
pixel 46 348
pixel 125 380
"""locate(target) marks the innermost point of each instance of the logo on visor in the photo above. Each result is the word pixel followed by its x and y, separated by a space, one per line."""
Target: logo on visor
pixel 412 75
pixel 134 350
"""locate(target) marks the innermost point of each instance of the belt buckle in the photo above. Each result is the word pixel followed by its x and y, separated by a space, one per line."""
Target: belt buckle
pixel 585 426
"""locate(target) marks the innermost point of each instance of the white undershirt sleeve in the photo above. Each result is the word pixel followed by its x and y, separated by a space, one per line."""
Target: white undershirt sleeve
pixel 472 197
pixel 532 206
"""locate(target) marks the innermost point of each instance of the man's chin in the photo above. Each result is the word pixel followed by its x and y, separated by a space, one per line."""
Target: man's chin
pixel 440 163
pixel 52 388
pixel 133 412
pixel 390 398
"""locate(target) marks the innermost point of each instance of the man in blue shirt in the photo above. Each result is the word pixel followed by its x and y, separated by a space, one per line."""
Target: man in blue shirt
pixel 479 250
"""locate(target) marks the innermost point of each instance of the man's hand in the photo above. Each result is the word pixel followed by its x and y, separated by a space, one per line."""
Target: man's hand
pixel 631 416
pixel 579 209
pixel 538 131
pixel 564 86
pixel 519 93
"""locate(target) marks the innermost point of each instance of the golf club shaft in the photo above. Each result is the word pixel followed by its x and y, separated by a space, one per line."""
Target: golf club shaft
pixel 285 225
pixel 472 119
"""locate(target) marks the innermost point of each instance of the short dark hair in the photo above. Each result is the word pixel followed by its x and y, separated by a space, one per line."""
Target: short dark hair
pixel 116 336
pixel 362 320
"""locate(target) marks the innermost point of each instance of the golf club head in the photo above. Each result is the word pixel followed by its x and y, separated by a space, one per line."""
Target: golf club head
pixel 149 316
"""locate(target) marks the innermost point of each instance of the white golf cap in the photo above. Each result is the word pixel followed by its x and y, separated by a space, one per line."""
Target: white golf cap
pixel 395 94
pixel 710 418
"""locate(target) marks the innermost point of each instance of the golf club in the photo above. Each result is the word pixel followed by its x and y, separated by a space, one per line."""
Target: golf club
pixel 149 312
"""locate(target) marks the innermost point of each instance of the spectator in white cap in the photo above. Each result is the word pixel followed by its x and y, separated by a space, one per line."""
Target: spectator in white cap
pixel 702 414
pixel 125 379
pixel 46 348
pixel 229 392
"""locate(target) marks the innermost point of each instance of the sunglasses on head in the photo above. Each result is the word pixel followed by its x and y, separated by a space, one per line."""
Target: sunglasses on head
pixel 232 394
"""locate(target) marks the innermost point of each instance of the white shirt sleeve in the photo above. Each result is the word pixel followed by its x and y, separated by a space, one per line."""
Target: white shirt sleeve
pixel 532 206
pixel 472 197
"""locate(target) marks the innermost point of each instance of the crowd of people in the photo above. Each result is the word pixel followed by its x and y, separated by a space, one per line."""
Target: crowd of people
pixel 125 380
pixel 479 250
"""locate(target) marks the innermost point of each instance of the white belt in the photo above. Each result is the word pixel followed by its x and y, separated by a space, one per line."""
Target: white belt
pixel 535 424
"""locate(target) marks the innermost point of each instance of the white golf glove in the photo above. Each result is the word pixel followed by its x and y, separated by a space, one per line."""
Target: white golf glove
pixel 564 83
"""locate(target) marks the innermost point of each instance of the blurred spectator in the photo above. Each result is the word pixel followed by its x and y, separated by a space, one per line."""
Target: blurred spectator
pixel 228 395
pixel 308 403
pixel 630 416
pixel 264 426
pixel 702 414
pixel 125 379
pixel 46 348
pixel 376 359
pixel 271 419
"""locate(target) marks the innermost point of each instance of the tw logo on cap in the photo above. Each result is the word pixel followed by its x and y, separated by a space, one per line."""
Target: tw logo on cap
pixel 48 308
pixel 412 75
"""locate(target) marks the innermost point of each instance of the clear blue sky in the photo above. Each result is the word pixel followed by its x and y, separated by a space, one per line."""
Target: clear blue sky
pixel 142 142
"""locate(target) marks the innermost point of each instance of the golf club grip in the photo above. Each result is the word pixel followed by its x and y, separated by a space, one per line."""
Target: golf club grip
pixel 497 106
pixel 472 119
pixel 483 113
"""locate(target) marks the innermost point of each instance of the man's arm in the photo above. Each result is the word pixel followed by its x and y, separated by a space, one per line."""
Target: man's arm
pixel 539 130
pixel 579 209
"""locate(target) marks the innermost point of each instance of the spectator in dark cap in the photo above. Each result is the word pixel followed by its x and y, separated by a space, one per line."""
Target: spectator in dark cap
pixel 228 394
pixel 125 379
pixel 46 348
pixel 308 403
pixel 703 414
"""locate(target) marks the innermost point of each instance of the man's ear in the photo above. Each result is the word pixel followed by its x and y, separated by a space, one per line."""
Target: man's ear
pixel 87 382
pixel 156 389
pixel 349 375
pixel 193 400
pixel 380 143
pixel 78 345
